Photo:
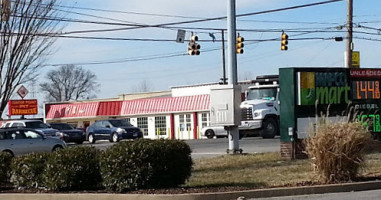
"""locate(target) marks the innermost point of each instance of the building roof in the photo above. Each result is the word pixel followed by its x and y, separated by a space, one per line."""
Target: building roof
pixel 162 105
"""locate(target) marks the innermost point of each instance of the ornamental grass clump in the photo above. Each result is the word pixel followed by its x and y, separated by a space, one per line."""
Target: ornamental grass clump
pixel 337 150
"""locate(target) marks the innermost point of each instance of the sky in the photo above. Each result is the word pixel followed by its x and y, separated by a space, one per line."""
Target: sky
pixel 122 66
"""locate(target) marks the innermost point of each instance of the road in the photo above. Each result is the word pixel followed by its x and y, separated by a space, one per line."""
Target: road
pixel 216 147
pixel 363 195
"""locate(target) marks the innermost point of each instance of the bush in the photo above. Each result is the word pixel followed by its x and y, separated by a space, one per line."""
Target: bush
pixel 172 163
pixel 5 167
pixel 73 169
pixel 27 170
pixel 337 150
pixel 142 164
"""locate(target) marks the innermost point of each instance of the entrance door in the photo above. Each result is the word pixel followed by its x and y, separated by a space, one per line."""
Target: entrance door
pixel 185 124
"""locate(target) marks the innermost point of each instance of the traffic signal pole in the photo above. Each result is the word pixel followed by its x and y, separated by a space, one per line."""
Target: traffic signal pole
pixel 348 63
pixel 232 68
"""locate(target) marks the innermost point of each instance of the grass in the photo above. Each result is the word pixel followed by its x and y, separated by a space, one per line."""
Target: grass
pixel 264 171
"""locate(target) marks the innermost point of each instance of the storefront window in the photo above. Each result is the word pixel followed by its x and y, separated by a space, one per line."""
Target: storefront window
pixel 189 123
pixel 182 122
pixel 161 125
pixel 204 120
pixel 143 125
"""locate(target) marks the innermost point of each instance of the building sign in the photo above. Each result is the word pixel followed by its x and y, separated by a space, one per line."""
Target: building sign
pixel 22 91
pixel 310 94
pixel 356 59
pixel 23 107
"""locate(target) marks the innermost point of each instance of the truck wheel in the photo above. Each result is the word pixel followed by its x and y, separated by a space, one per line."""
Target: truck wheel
pixel 209 133
pixel 270 128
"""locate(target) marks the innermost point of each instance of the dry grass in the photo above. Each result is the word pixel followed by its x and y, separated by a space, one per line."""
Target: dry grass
pixel 267 170
pixel 337 150
pixel 255 171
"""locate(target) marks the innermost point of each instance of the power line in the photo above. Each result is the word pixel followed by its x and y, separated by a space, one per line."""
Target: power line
pixel 164 25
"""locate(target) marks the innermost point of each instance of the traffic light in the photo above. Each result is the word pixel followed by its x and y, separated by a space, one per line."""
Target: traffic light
pixel 193 47
pixel 284 42
pixel 239 45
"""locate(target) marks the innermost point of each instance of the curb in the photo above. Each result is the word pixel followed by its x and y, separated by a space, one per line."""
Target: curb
pixel 259 193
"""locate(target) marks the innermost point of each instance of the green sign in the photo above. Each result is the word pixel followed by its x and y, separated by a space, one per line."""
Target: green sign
pixel 307 93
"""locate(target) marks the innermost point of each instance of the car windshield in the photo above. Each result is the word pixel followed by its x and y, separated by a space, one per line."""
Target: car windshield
pixel 262 93
pixel 62 126
pixel 120 123
pixel 36 125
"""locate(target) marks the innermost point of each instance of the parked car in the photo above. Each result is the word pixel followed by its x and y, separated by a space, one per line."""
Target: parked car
pixel 34 124
pixel 18 141
pixel 113 130
pixel 218 131
pixel 211 131
pixel 70 134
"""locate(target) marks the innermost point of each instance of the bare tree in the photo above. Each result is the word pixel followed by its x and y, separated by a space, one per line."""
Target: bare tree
pixel 143 86
pixel 70 82
pixel 26 30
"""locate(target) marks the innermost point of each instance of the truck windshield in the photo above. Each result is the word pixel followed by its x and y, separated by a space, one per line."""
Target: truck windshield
pixel 262 93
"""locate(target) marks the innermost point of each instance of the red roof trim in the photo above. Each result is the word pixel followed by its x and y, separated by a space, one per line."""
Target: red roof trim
pixel 131 107
pixel 166 105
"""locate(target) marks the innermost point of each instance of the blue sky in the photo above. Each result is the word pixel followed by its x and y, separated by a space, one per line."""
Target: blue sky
pixel 259 58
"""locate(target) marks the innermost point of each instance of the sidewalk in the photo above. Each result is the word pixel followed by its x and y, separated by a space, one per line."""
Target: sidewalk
pixel 260 193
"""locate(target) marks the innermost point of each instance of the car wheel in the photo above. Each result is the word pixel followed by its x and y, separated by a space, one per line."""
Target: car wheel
pixel 115 137
pixel 91 138
pixel 270 128
pixel 209 133
pixel 57 148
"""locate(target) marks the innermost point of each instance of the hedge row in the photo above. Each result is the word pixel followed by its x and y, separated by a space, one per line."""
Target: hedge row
pixel 123 167
pixel 145 164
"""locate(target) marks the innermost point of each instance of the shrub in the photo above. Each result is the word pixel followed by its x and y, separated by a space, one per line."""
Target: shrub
pixel 27 170
pixel 172 163
pixel 141 164
pixel 73 169
pixel 337 150
pixel 5 167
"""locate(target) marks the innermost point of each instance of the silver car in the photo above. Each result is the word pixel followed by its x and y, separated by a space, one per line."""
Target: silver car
pixel 212 131
pixel 218 131
pixel 18 141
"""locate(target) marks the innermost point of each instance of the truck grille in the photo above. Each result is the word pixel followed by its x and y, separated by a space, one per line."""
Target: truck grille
pixel 246 114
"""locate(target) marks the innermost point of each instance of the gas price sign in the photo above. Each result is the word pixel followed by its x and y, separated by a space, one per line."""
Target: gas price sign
pixel 366 89
pixel 366 96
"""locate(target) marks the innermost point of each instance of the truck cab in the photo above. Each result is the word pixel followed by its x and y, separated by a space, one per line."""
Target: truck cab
pixel 260 110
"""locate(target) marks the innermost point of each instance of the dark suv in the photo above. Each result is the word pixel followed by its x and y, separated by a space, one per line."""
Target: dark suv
pixel 113 130
pixel 70 134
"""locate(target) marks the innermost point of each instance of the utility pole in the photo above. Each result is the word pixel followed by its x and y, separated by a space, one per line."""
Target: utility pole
pixel 232 66
pixel 349 50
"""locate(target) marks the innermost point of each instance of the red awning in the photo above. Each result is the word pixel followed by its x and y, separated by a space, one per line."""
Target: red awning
pixel 132 107
pixel 73 110
pixel 109 108
pixel 166 105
